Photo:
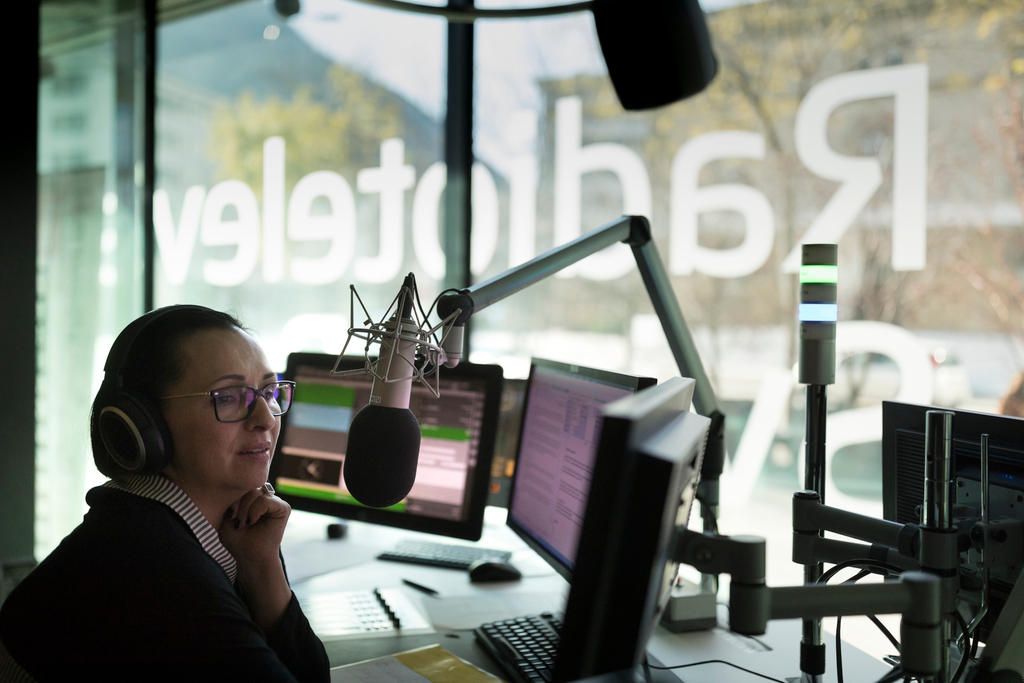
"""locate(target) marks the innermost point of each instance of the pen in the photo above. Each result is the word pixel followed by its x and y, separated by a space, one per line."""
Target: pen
pixel 419 587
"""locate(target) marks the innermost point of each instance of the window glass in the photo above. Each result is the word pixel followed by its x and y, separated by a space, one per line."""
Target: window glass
pixel 891 128
pixel 89 246
pixel 297 156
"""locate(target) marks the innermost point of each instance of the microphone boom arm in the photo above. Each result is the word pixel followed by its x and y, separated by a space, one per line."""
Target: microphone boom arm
pixel 636 232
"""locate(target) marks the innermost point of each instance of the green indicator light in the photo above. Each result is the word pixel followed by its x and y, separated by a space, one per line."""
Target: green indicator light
pixel 819 275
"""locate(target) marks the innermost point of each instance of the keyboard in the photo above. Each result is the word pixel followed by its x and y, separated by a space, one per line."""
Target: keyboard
pixel 524 647
pixel 434 554
pixel 337 615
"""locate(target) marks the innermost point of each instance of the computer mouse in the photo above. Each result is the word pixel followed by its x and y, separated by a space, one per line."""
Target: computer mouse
pixel 485 571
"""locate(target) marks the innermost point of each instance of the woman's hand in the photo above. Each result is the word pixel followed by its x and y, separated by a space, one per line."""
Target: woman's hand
pixel 252 530
pixel 253 527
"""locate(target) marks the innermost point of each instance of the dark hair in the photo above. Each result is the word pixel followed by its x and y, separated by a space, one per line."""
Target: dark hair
pixel 156 360
pixel 128 432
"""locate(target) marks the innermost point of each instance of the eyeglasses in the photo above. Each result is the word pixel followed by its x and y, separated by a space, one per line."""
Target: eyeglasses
pixel 237 403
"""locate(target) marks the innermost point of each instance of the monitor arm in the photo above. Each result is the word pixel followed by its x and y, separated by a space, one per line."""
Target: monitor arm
pixel 917 596
pixel 928 556
pixel 636 232
pixel 899 545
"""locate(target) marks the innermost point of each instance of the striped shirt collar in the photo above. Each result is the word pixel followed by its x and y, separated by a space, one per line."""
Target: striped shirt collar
pixel 163 490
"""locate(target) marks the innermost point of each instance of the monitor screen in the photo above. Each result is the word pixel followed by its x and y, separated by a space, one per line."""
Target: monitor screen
pixel 557 441
pixel 649 455
pixel 456 447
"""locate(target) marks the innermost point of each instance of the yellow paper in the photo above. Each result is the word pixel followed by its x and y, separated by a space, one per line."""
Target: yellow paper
pixel 436 664
pixel 432 662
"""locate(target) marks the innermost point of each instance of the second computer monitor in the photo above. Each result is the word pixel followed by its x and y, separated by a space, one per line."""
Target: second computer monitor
pixel 644 483
pixel 558 437
pixel 453 470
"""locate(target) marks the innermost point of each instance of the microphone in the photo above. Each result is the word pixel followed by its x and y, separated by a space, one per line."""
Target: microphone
pixel 456 307
pixel 384 436
pixel 452 345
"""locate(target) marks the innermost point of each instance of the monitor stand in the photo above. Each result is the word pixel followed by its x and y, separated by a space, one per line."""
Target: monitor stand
pixel 691 607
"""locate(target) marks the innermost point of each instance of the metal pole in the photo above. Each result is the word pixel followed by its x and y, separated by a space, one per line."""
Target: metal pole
pixel 819 275
pixel 457 223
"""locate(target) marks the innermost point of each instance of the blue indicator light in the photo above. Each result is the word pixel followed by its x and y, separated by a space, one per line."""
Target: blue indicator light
pixel 819 313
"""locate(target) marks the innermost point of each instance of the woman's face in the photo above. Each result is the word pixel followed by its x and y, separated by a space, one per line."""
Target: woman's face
pixel 217 462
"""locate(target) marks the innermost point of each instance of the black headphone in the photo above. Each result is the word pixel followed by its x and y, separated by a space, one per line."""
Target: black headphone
pixel 129 434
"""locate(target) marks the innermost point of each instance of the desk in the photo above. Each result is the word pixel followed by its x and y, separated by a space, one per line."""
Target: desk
pixel 316 565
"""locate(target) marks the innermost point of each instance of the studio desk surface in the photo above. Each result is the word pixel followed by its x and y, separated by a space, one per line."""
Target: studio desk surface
pixel 323 569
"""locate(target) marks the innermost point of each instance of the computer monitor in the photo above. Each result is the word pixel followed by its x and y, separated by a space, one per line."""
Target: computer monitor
pixel 456 447
pixel 903 456
pixel 644 482
pixel 557 443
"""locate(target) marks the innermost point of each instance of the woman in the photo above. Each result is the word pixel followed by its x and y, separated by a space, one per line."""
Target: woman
pixel 175 571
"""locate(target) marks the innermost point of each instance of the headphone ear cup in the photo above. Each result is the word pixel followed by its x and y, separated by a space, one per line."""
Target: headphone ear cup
pixel 129 435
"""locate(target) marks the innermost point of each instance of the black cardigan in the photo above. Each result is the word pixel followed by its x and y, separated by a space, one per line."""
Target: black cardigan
pixel 131 595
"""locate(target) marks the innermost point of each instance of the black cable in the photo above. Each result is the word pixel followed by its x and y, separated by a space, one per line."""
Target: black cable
pixel 839 627
pixel 450 290
pixel 839 650
pixel 647 669
pixel 866 566
pixel 433 304
pixel 426 318
pixel 839 646
pixel 888 569
pixel 888 634
pixel 966 655
pixel 858 576
pixel 839 620
pixel 967 641
pixel 876 566
pixel 718 661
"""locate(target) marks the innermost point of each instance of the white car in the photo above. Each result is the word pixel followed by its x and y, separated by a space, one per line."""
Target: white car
pixel 875 362
pixel 866 378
